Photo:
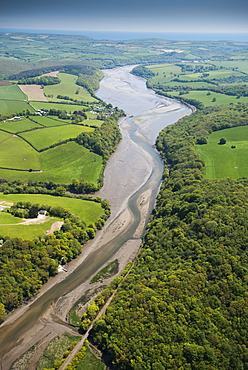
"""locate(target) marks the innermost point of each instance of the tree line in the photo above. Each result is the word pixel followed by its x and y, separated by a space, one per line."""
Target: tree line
pixel 184 304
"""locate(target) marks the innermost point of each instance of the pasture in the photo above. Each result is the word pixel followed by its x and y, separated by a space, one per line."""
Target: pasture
pixel 17 154
pixel 70 108
pixel 199 78
pixel 208 101
pixel 14 106
pixel 86 210
pixel 45 137
pixel 222 161
pixel 14 126
pixel 11 92
pixel 51 121
pixel 67 87
pixel 59 164
pixel 26 232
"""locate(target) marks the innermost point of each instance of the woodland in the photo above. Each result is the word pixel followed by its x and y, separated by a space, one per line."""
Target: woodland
pixel 184 304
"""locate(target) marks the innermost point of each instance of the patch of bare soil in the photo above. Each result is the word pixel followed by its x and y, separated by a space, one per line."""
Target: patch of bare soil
pixel 53 74
pixel 55 226
pixel 33 92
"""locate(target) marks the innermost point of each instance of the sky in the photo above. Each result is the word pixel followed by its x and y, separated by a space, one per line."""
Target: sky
pixel 196 16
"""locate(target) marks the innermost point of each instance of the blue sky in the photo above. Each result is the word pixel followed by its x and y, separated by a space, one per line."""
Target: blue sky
pixel 222 16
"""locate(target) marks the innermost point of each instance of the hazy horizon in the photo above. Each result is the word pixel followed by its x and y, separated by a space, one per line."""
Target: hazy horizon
pixel 122 36
pixel 224 16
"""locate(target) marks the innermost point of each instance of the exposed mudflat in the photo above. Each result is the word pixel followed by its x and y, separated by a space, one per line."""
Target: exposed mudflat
pixel 131 182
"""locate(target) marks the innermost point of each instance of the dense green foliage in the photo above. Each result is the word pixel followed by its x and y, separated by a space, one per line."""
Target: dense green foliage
pixel 184 304
pixel 27 264
pixel 90 81
pixel 142 71
pixel 104 139
pixel 58 348
pixel 43 80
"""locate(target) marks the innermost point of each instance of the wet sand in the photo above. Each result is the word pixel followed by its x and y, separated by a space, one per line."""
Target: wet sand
pixel 130 167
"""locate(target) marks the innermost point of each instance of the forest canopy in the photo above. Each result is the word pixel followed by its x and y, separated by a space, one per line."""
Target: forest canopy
pixel 184 304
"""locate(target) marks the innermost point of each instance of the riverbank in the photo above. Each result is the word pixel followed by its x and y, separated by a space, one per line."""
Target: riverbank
pixel 131 182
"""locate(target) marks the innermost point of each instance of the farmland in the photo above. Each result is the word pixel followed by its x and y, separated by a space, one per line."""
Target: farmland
pixel 43 138
pixel 12 99
pixel 60 164
pixel 68 107
pixel 67 87
pixel 87 211
pixel 26 232
pixel 223 161
pixel 11 92
pixel 210 83
pixel 12 106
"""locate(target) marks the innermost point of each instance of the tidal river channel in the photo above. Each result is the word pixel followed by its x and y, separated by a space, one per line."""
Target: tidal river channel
pixel 131 182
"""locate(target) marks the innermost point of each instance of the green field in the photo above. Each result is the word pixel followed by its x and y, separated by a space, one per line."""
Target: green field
pixel 207 100
pixel 222 161
pixel 51 120
pixel 196 80
pixel 60 164
pixel 70 108
pixel 45 137
pixel 67 87
pixel 18 125
pixel 26 232
pixel 68 161
pixel 7 218
pixel 87 211
pixel 14 106
pixel 16 153
pixel 11 92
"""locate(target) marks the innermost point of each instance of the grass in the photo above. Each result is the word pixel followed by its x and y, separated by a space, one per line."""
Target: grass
pixel 165 75
pixel 27 232
pixel 14 106
pixel 90 362
pixel 207 100
pixel 51 121
pixel 18 125
pixel 55 350
pixel 108 271
pixel 11 92
pixel 222 161
pixel 16 153
pixel 93 122
pixel 7 218
pixel 44 138
pixel 60 164
pixel 68 161
pixel 87 211
pixel 67 87
pixel 70 108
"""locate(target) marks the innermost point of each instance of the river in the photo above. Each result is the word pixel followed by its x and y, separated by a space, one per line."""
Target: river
pixel 131 182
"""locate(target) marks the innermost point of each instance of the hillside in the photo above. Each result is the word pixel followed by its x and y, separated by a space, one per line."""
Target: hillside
pixel 184 305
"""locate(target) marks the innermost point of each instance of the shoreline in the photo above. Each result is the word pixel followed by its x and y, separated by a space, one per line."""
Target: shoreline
pixel 51 323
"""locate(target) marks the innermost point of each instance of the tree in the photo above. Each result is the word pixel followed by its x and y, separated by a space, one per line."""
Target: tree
pixel 222 141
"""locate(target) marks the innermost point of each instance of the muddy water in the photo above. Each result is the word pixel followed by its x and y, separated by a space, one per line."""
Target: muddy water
pixel 134 169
